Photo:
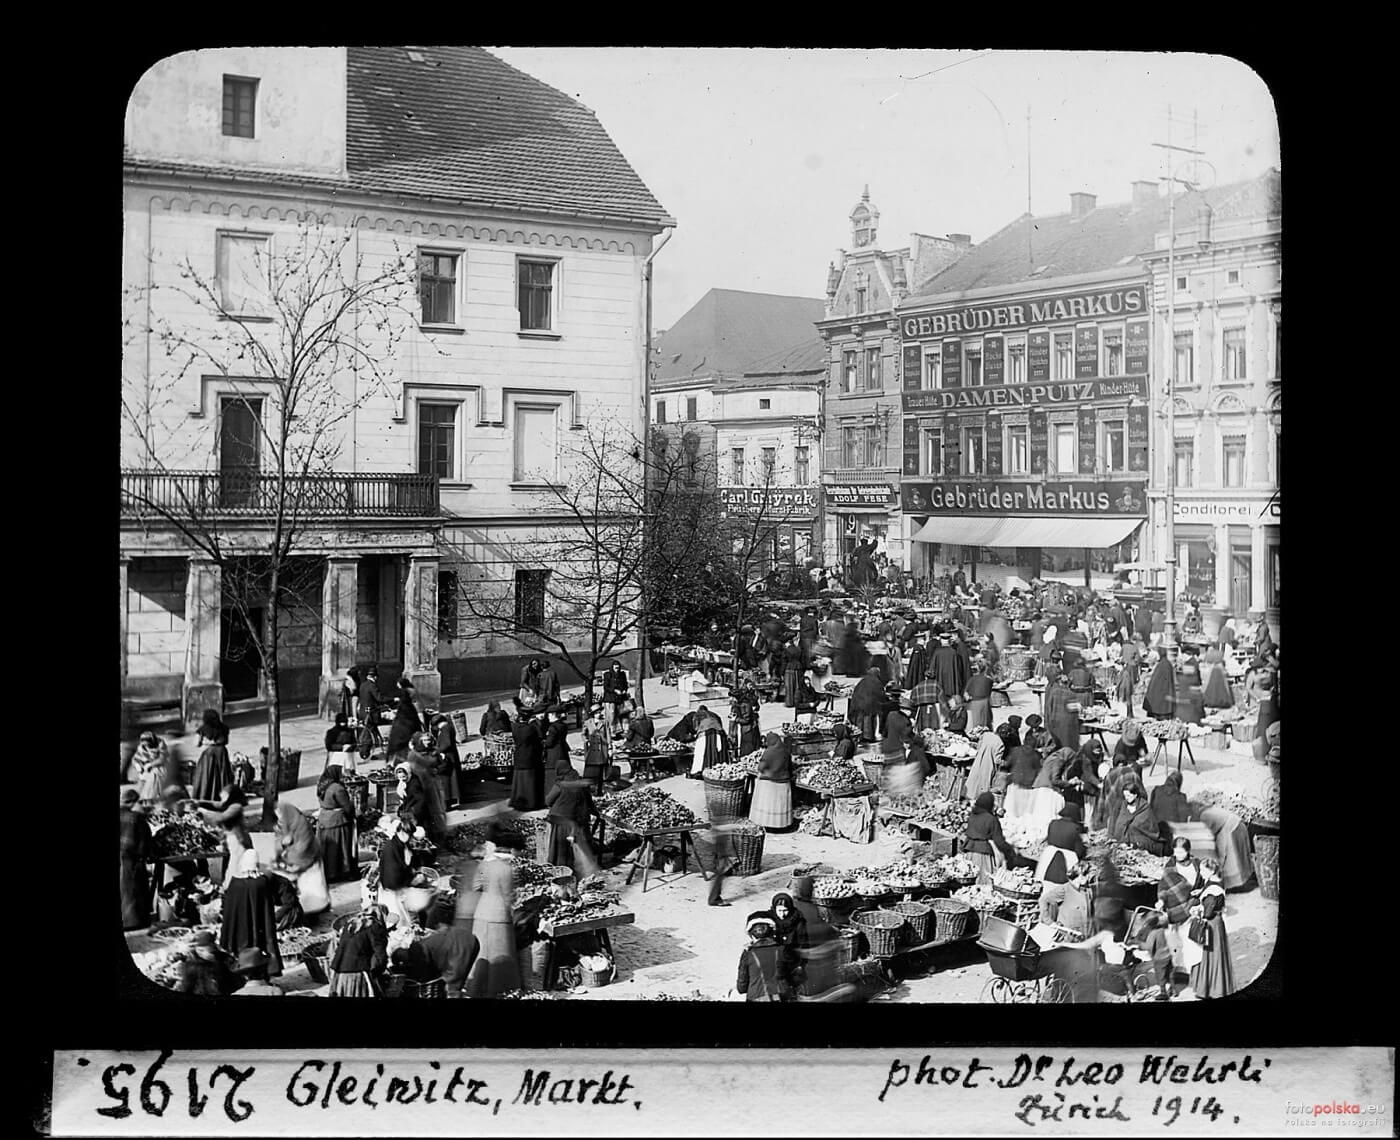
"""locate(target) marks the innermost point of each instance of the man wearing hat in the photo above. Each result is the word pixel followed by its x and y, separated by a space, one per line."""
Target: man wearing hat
pixel 948 667
pixel 1036 736
pixel 206 972
pixel 252 967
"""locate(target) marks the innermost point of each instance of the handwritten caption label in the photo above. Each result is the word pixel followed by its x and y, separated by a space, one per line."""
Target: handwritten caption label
pixel 685 1092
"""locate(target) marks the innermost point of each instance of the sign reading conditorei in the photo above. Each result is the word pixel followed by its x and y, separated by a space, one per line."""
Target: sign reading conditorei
pixel 1074 497
pixel 1130 301
pixel 1023 395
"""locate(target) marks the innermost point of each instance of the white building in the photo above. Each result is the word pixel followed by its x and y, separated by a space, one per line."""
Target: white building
pixel 529 232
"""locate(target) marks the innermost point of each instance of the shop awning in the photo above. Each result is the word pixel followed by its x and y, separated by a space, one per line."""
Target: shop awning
pixel 1060 531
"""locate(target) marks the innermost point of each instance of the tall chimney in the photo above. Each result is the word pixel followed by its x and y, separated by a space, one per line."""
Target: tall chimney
pixel 1144 193
pixel 1081 204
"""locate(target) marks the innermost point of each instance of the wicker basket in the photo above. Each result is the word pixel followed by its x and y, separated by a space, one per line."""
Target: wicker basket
pixel 1244 730
pixel 724 799
pixel 919 916
pixel 951 917
pixel 984 913
pixel 848 946
pixel 1266 865
pixel 402 986
pixel 835 911
pixel 882 930
pixel 748 848
pixel 1017 666
pixel 596 979
pixel 316 958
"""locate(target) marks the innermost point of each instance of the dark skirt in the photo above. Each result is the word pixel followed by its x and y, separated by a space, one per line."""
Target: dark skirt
pixel 792 687
pixel 496 969
pixel 136 894
pixel 527 789
pixel 212 774
pixel 338 852
pixel 749 738
pixel 1214 975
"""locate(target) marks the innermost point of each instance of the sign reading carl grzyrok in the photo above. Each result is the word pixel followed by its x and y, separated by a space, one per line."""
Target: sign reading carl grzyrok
pixel 1072 497
pixel 1130 301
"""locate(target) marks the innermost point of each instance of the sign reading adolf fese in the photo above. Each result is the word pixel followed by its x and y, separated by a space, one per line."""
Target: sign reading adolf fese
pixel 1130 301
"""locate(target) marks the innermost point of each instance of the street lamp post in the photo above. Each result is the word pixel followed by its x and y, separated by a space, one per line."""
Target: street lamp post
pixel 1169 618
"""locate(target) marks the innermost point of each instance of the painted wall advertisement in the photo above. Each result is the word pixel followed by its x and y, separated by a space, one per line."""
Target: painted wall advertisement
pixel 1135 349
pixel 913 367
pixel 911 447
pixel 780 500
pixel 1040 442
pixel 1087 441
pixel 1024 395
pixel 1090 498
pixel 969 320
pixel 1137 439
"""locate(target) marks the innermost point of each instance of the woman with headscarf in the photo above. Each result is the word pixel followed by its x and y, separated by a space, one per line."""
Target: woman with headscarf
pixel 985 844
pixel 571 814
pixel 927 699
pixel 135 851
pixel 335 827
pixel 1160 699
pixel 979 698
pixel 597 748
pixel 1177 892
pixel 556 750
pixel 1124 770
pixel 338 736
pixel 396 866
pixel 298 854
pixel 1063 852
pixel 150 767
pixel 407 723
pixel 991 750
pixel 1168 802
pixel 495 720
pixel 213 771
pixel 1214 975
pixel 250 913
pixel 1216 692
pixel 1136 824
pixel 1010 731
pixel 792 673
pixel 1132 745
pixel 1061 720
pixel 496 970
pixel 424 765
pixel 845 747
pixel 361 954
pixel 527 778
pixel 711 745
pixel 1083 777
pixel 745 720
pixel 641 731
pixel 772 796
pixel 790 929
pixel 212 729
pixel 863 709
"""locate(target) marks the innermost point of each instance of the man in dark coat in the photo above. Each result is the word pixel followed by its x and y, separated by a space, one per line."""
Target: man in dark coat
pixel 948 667
pixel 527 784
pixel 407 723
pixel 556 748
pixel 916 668
pixel 369 702
pixel 807 634
pixel 135 850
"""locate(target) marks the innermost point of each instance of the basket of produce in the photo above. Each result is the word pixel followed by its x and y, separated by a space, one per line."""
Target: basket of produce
pixel 950 917
pixel 871 891
pixel 596 970
pixel 724 798
pixel 834 777
pixel 984 901
pixel 807 873
pixel 317 959
pixel 882 929
pixel 919 916
pixel 748 847
pixel 835 898
pixel 874 766
pixel 1244 730
pixel 1017 664
pixel 645 809
pixel 402 986
pixel 179 836
pixel 1016 885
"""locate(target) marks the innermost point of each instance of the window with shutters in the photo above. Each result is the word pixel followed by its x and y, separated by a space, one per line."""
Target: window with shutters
pixel 972 364
pixel 932 452
pixel 531 587
pixel 1062 448
pixel 245 274
pixel 240 104
pixel 536 444
pixel 437 440
pixel 447 604
pixel 1017 453
pixel 1016 360
pixel 933 368
pixel 535 294
pixel 437 287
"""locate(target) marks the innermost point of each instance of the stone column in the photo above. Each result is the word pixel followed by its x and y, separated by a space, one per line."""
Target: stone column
pixel 202 688
pixel 1223 567
pixel 1258 565
pixel 124 565
pixel 420 630
pixel 338 629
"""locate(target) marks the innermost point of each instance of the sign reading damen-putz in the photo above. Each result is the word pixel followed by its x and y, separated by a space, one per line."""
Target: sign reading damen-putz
pixel 1023 395
pixel 1054 498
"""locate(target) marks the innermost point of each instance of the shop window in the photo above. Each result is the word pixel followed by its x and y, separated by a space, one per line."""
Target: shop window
pixel 873 380
pixel 801 467
pixel 447 605
pixel 849 371
pixel 1200 569
pixel 530 588
pixel 1017 454
pixel 1064 356
pixel 437 287
pixel 1063 436
pixel 874 446
pixel 1016 360
pixel 736 466
pixel 973 451
pixel 1184 362
pixel 1113 445
pixel 1233 357
pixel 1232 461
pixel 1111 360
pixel 437 432
pixel 932 452
pixel 972 364
pixel 1184 455
pixel 850 446
pixel 933 368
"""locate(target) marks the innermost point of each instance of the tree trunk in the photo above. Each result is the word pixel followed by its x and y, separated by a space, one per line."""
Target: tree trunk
pixel 274 710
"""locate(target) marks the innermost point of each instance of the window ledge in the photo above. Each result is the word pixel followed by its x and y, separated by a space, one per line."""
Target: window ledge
pixel 516 486
pixel 429 326
pixel 252 318
pixel 454 485
pixel 1245 383
pixel 538 334
pixel 866 394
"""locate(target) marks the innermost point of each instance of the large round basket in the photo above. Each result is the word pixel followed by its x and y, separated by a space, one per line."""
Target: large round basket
pixel 835 911
pixel 402 986
pixel 882 930
pixel 748 848
pixel 951 917
pixel 1016 665
pixel 724 799
pixel 805 873
pixel 919 916
pixel 316 958
pixel 596 979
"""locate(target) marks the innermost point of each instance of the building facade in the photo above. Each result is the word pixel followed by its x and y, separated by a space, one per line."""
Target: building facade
pixel 523 321
pixel 1219 339
pixel 860 326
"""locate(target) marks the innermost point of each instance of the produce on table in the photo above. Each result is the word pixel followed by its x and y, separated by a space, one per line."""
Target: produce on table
pixel 1233 798
pixel 646 808
pixel 838 688
pixel 940 743
pixel 1134 864
pixel 467 837
pixel 588 906
pixel 736 769
pixel 980 898
pixel 666 744
pixel 1171 730
pixel 833 776
pixel 828 888
pixel 178 835
pixel 1023 835
pixel 1021 880
pixel 946 815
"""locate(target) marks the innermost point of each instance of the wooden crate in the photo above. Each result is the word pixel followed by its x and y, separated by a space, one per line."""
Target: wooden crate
pixel 939 842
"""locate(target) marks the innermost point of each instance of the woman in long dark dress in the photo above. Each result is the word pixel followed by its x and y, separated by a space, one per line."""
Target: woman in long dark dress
pixel 407 723
pixel 335 827
pixel 1216 693
pixel 792 673
pixel 790 926
pixel 496 969
pixel 1168 802
pixel 250 913
pixel 863 709
pixel 135 850
pixel 212 773
pixel 571 812
pixel 449 758
pixel 711 747
pixel 985 844
pixel 1214 975
pixel 1160 699
pixel 556 750
pixel 527 781
pixel 1062 721
pixel 745 720
pixel 979 698
pixel 597 748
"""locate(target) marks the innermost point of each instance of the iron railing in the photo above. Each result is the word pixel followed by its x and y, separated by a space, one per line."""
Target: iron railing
pixel 250 494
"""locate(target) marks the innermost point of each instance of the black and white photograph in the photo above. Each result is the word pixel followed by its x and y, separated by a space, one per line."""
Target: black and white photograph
pixel 701 525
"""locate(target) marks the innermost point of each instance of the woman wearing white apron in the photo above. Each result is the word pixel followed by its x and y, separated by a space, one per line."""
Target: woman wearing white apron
pixel 396 870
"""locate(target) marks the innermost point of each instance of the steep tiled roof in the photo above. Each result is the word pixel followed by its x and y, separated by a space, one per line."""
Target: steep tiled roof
pixel 463 124
pixel 1061 245
pixel 733 332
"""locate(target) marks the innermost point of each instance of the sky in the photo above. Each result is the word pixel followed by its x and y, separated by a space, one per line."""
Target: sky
pixel 761 154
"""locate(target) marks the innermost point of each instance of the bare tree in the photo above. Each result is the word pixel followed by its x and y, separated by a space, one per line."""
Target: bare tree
pixel 304 335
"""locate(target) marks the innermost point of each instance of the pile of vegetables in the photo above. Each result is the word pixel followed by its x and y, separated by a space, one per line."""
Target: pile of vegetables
pixel 807 731
pixel 829 888
pixel 177 835
pixel 940 743
pixel 1100 719
pixel 467 837
pixel 736 769
pixel 839 689
pixel 833 776
pixel 1134 864
pixel 980 898
pixel 1020 881
pixel 946 815
pixel 589 905
pixel 890 877
pixel 1027 838
pixel 646 808
pixel 1171 730
pixel 976 732
pixel 666 744
pixel 1233 798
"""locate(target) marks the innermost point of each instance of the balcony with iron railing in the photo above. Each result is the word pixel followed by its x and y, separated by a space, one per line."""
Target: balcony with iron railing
pixel 254 495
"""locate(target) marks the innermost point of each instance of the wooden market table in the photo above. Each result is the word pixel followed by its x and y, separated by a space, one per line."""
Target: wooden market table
pixel 642 858
pixel 159 866
pixel 1183 743
pixel 556 932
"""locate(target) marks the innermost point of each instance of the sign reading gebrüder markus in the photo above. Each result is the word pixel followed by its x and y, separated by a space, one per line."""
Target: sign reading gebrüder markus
pixel 1073 497
pixel 777 501
pixel 1129 301
pixel 1023 395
